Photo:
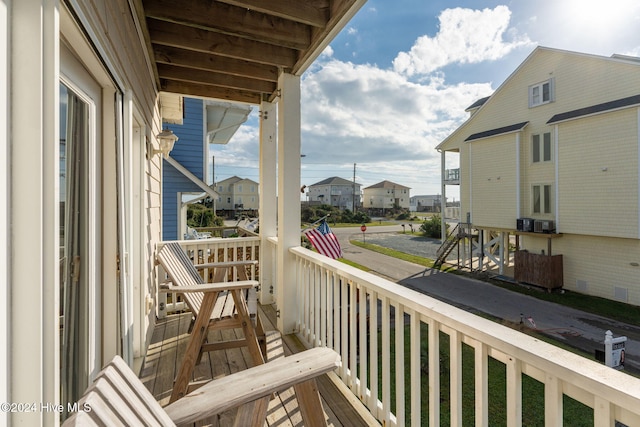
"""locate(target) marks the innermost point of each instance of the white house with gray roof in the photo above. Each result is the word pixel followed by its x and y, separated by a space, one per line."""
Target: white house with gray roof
pixel 335 191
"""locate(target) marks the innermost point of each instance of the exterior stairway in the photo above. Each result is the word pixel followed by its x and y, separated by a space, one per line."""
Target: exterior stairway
pixel 447 246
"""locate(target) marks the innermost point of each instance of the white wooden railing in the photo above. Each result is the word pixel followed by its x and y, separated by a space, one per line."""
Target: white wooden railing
pixel 344 308
pixel 205 251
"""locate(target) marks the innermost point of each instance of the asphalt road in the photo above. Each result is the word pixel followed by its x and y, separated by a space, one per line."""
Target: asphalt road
pixel 576 328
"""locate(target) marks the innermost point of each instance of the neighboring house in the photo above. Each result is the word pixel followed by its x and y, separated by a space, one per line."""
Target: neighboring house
pixel 335 191
pixel 550 163
pixel 184 172
pixel 386 195
pixel 237 193
pixel 425 203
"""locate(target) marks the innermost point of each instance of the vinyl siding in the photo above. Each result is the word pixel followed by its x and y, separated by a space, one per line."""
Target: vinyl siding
pixel 189 152
pixel 592 200
pixel 597 210
pixel 493 181
pixel 595 265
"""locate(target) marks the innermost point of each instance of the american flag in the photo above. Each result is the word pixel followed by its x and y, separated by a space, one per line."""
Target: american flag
pixel 325 242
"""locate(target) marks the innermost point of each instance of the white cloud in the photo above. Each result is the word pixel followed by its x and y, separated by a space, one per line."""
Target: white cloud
pixel 383 119
pixel 465 37
pixel 367 114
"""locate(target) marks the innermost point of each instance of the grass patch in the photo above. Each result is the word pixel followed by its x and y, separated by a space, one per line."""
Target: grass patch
pixel 393 253
pixel 590 304
pixel 574 413
pixel 354 264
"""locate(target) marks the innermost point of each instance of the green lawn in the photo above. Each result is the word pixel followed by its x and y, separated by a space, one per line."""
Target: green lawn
pixel 574 414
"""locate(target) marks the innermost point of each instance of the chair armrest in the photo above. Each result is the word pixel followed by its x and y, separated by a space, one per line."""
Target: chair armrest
pixel 225 264
pixel 252 384
pixel 213 287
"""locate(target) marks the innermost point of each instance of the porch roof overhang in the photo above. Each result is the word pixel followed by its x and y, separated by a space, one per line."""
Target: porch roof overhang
pixel 235 49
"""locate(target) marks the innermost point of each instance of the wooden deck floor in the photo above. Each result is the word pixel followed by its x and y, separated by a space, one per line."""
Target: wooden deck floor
pixel 168 345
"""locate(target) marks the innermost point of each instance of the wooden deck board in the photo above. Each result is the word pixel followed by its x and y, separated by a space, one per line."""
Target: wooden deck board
pixel 169 343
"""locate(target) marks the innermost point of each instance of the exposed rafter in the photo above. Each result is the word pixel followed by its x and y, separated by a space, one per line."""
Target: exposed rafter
pixel 235 49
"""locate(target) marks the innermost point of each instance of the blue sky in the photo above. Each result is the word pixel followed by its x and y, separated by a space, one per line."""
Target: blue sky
pixel 396 81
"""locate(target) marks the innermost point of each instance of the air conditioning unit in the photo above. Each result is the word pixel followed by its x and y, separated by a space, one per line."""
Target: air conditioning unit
pixel 525 224
pixel 544 226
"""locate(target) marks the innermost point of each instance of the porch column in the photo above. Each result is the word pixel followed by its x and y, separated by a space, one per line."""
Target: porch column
pixel 288 199
pixel 443 197
pixel 268 195
pixel 31 366
pixel 5 180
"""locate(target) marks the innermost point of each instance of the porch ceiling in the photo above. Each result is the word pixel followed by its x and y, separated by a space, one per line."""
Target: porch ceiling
pixel 235 49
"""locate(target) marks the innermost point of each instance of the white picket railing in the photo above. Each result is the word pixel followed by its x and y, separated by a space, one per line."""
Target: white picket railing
pixel 205 251
pixel 344 308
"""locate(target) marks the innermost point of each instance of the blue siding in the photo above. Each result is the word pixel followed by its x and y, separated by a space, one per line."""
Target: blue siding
pixel 189 151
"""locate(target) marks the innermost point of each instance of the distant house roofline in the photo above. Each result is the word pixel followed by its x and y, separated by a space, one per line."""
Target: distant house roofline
pixel 387 184
pixel 334 180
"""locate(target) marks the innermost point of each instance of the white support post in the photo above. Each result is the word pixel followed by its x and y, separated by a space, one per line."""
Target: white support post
pixel 443 198
pixel 288 199
pixel 268 194
pixel 518 172
pixel 33 325
pixel 5 180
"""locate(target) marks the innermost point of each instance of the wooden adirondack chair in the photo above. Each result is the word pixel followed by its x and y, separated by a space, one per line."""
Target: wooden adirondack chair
pixel 119 398
pixel 218 305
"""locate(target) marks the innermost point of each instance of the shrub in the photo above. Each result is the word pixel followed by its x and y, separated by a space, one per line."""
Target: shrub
pixel 431 227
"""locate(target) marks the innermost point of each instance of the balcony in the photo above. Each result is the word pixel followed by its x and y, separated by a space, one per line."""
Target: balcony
pixel 391 374
pixel 451 176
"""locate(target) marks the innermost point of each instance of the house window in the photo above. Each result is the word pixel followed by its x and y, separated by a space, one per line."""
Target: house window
pixel 239 188
pixel 541 195
pixel 541 147
pixel 541 93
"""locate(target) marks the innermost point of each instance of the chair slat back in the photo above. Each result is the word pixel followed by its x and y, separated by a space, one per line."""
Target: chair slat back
pixel 118 398
pixel 181 271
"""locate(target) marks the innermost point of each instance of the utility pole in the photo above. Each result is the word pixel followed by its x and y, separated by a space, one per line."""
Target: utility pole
pixel 354 188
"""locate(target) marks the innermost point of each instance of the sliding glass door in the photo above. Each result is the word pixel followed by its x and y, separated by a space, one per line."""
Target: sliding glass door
pixel 79 252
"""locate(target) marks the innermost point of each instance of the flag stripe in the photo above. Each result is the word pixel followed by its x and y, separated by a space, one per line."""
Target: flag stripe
pixel 324 241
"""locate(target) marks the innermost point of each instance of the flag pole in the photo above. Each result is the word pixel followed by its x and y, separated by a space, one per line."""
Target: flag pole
pixel 314 223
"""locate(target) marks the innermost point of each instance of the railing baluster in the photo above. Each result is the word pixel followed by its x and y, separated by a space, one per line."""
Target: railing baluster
pixel 455 367
pixel 481 369
pixel 385 350
pixel 514 392
pixel 416 371
pixel 351 312
pixel 553 402
pixel 362 346
pixel 344 330
pixel 434 370
pixel 373 353
pixel 317 297
pixel 399 363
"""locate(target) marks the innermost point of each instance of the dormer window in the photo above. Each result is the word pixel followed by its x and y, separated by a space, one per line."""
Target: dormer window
pixel 541 93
